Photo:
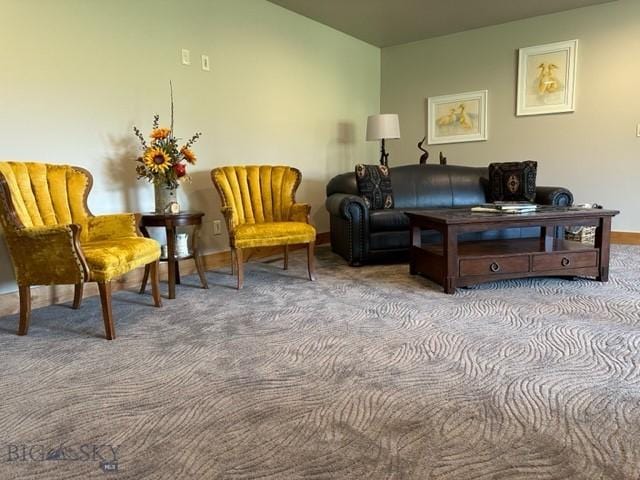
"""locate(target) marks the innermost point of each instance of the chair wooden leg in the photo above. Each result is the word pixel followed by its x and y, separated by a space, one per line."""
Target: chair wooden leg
pixel 25 309
pixel 77 295
pixel 107 315
pixel 201 274
pixel 145 279
pixel 239 267
pixel 311 260
pixel 286 257
pixel 233 262
pixel 154 268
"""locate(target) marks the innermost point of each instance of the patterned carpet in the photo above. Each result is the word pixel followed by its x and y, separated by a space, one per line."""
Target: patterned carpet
pixel 366 373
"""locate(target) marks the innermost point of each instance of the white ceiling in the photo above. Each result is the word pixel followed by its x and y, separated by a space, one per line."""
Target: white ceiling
pixel 392 22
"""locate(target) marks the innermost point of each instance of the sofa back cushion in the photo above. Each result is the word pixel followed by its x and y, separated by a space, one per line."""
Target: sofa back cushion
pixel 426 186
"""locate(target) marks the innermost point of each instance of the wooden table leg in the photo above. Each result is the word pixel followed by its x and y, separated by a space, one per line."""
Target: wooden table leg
pixel 547 238
pixel 171 260
pixel 450 251
pixel 197 258
pixel 602 243
pixel 416 241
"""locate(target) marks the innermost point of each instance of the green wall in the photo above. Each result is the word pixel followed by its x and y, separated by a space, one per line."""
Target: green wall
pixel 77 74
pixel 593 151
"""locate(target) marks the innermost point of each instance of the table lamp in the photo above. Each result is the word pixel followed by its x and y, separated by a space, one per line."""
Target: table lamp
pixel 382 127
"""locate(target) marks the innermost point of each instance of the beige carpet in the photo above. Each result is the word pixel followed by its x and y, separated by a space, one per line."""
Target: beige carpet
pixel 366 373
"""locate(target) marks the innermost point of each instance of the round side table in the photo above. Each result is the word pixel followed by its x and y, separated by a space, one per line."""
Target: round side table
pixel 170 222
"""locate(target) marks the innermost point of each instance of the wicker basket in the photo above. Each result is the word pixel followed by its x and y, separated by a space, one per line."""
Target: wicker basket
pixel 581 234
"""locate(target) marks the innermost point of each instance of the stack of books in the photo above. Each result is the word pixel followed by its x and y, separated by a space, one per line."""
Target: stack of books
pixel 506 207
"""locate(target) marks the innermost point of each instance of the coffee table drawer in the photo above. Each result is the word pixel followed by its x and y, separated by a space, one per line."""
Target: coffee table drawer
pixel 562 261
pixel 490 266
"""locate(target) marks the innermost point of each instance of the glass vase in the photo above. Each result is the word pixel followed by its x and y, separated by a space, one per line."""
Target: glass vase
pixel 164 196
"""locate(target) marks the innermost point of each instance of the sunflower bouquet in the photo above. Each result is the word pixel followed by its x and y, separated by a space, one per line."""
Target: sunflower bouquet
pixel 163 161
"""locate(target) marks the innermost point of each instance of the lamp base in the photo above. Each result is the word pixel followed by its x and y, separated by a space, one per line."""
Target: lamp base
pixel 384 156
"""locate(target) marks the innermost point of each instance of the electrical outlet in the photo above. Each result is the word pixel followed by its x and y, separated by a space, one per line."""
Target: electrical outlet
pixel 186 57
pixel 217 227
pixel 205 63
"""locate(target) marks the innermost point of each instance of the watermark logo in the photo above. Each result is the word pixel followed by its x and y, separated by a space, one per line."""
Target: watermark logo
pixel 105 455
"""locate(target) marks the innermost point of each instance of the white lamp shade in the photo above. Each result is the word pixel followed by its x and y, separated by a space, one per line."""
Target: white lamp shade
pixel 382 126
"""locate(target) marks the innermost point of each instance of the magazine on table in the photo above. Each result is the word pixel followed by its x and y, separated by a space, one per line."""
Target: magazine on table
pixel 506 207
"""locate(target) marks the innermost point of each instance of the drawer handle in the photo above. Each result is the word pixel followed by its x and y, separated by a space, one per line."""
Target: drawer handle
pixel 565 261
pixel 494 267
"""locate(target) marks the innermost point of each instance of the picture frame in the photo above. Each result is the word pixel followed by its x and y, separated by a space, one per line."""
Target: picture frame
pixel 547 78
pixel 460 117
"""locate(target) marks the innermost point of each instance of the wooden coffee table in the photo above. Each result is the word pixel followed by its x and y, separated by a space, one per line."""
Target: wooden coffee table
pixel 457 264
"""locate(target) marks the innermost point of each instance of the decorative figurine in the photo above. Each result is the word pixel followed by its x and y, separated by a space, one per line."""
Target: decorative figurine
pixel 425 155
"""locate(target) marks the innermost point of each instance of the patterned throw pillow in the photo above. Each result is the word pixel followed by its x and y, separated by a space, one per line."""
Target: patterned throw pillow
pixel 512 181
pixel 374 185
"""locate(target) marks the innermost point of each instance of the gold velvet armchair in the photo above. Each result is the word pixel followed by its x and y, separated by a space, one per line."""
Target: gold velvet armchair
pixel 258 203
pixel 54 239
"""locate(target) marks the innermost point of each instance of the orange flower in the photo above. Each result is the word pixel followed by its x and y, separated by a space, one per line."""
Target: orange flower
pixel 188 155
pixel 160 133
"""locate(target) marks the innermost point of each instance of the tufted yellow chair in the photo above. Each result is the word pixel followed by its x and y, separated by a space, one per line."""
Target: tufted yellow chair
pixel 258 203
pixel 54 239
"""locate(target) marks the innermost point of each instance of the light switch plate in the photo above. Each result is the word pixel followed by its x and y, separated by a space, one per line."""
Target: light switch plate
pixel 186 57
pixel 205 63
pixel 217 227
pixel 638 130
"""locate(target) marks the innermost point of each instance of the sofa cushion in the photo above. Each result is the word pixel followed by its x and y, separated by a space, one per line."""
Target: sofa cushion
pixel 374 186
pixel 512 181
pixel 437 186
pixel 425 186
pixel 388 220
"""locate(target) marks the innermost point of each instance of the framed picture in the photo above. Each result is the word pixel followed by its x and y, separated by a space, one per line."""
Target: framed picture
pixel 461 117
pixel 547 78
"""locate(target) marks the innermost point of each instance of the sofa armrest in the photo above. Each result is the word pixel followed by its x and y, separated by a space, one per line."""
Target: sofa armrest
pixel 344 205
pixel 48 255
pixel 107 227
pixel 557 196
pixel 349 218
